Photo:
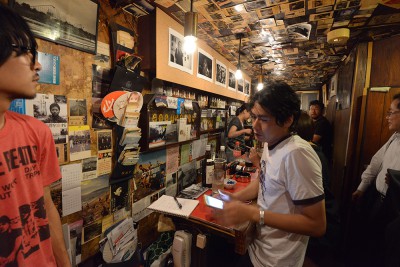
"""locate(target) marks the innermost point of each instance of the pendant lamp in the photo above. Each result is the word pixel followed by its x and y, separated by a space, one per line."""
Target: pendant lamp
pixel 238 74
pixel 190 31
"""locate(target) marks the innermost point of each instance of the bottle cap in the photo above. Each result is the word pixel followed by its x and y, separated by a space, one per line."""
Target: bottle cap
pixel 222 148
pixel 237 143
pixel 208 147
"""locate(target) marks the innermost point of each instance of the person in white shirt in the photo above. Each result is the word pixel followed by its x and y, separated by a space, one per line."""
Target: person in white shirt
pixel 387 157
pixel 289 189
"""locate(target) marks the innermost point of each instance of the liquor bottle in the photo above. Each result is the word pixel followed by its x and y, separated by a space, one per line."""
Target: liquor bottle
pixel 237 152
pixel 222 154
pixel 235 167
pixel 209 172
pixel 204 167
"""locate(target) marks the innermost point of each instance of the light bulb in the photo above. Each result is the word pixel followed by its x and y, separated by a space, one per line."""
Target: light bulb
pixel 239 8
pixel 260 86
pixel 189 44
pixel 238 74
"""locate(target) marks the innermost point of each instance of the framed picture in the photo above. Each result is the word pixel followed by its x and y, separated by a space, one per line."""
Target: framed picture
pixel 177 57
pixel 71 23
pixel 232 80
pixel 333 85
pixel 205 66
pixel 246 87
pixel 240 86
pixel 220 75
pixel 306 97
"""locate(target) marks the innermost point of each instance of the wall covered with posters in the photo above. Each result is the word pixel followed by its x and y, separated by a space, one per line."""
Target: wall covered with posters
pixel 87 198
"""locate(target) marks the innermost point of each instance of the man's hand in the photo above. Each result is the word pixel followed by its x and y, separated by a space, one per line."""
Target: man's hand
pixel 357 196
pixel 248 131
pixel 387 178
pixel 234 213
pixel 254 157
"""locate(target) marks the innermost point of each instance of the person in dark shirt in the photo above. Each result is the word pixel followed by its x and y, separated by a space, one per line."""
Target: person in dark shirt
pixel 236 131
pixel 179 54
pixel 55 115
pixel 323 129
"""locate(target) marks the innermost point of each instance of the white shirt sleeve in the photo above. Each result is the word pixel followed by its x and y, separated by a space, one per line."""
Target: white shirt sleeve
pixel 374 167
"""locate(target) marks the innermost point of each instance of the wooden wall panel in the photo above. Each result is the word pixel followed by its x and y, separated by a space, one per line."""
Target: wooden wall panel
pixel 341 124
pixel 373 125
pixel 386 63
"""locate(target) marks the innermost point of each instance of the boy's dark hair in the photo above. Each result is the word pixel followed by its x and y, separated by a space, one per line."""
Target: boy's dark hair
pixel 13 31
pixel 278 99
pixel 305 126
pixel 397 96
pixel 317 103
pixel 242 108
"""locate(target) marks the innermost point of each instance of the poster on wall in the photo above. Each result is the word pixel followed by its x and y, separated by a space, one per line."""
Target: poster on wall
pixel 178 58
pixel 149 174
pixel 246 87
pixel 333 86
pixel 71 23
pixel 205 65
pixel 232 80
pixel 220 76
pixel 240 86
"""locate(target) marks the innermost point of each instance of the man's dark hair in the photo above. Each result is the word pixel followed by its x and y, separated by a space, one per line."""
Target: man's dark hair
pixel 278 99
pixel 55 105
pixel 397 96
pixel 305 127
pixel 242 108
pixel 317 103
pixel 13 31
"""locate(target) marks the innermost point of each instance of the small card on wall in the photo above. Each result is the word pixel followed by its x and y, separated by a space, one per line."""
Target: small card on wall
pixel 50 72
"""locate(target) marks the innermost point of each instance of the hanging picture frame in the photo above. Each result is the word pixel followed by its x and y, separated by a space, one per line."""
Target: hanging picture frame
pixel 220 73
pixel 205 65
pixel 178 58
pixel 71 23
pixel 246 87
pixel 232 80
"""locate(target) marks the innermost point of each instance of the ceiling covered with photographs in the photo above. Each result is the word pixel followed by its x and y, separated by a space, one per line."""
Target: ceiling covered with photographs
pixel 288 37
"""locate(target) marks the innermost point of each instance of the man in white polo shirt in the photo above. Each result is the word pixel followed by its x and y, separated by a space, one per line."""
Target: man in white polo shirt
pixel 289 189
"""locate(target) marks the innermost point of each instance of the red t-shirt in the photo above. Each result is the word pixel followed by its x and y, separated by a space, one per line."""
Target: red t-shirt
pixel 28 163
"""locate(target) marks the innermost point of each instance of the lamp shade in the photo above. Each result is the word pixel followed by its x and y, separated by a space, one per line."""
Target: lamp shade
pixel 190 24
pixel 338 36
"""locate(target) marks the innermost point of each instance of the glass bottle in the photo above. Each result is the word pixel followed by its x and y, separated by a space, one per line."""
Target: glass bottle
pixel 237 152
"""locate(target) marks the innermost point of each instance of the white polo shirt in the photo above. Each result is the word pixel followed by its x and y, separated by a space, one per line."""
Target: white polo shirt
pixel 290 175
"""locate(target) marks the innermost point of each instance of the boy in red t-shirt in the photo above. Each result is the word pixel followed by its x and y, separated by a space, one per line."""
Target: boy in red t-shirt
pixel 30 224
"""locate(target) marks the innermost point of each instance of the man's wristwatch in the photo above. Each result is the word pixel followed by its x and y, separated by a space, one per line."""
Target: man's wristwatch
pixel 261 222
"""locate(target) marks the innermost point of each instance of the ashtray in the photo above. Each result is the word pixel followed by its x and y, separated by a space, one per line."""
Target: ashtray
pixel 243 177
pixel 229 183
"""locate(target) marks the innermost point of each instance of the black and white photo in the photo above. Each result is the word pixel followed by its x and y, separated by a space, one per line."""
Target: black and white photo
pixel 205 65
pixel 246 87
pixel 178 58
pixel 104 141
pixel 220 74
pixel 240 86
pixel 232 80
pixel 71 23
pixel 135 10
pixel 299 31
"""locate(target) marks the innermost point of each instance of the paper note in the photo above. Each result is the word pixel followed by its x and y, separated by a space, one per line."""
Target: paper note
pixel 71 201
pixel 71 176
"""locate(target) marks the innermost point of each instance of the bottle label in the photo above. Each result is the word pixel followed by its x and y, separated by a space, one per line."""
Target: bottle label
pixel 209 174
pixel 239 168
pixel 237 153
